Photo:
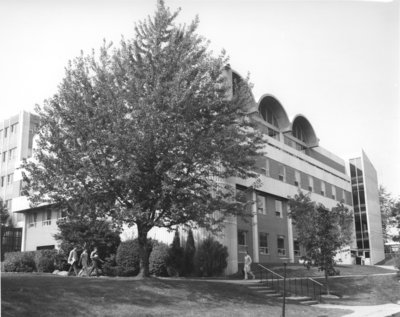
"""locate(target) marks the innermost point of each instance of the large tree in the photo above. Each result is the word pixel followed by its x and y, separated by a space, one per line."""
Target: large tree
pixel 145 132
pixel 390 214
pixel 322 232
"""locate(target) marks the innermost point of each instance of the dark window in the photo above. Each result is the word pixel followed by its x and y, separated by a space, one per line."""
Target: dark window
pixel 281 245
pixel 296 248
pixel 264 243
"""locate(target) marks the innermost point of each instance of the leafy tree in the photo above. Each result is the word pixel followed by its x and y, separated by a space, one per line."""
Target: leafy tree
pixel 5 218
pixel 86 232
pixel 145 132
pixel 189 253
pixel 321 231
pixel 390 214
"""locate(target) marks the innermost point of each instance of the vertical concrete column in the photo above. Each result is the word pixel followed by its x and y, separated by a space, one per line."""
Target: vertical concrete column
pixel 254 223
pixel 290 240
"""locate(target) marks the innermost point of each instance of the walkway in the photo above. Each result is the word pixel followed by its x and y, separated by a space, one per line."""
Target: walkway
pixel 384 310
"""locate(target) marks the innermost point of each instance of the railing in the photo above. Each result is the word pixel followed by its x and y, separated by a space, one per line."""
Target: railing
pixel 300 287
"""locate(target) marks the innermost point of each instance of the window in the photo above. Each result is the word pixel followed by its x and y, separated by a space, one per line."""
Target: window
pixel 10 178
pixel 281 245
pixel 5 132
pixel 4 156
pixel 264 243
pixel 261 208
pixel 11 154
pixel 278 208
pixel 2 181
pixel 282 174
pixel 333 192
pixel 14 128
pixel 267 167
pixel 296 248
pixel 296 178
pixel 242 241
pixel 310 183
pixel 8 203
pixel 47 221
pixel 323 189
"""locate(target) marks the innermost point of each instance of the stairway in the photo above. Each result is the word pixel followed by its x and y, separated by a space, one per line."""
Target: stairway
pixel 269 292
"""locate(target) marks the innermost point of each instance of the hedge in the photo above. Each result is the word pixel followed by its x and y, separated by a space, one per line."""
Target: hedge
pixel 30 261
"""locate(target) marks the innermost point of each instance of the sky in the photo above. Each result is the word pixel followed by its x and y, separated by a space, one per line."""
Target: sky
pixel 335 62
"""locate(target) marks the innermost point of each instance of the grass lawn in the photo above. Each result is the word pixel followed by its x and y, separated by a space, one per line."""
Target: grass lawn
pixel 50 295
pixel 367 290
pixel 298 270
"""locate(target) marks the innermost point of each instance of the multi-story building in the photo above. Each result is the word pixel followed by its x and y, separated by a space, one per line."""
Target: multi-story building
pixel 293 160
pixel 16 141
pixel 367 215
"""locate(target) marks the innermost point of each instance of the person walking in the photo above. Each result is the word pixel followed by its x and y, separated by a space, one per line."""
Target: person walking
pixel 247 266
pixel 73 261
pixel 83 261
pixel 94 256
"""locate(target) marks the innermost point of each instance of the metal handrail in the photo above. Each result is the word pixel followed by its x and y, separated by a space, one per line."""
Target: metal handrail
pixel 296 286
pixel 280 276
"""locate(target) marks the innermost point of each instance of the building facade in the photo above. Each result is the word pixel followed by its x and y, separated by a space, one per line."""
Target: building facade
pixel 367 215
pixel 293 161
pixel 16 144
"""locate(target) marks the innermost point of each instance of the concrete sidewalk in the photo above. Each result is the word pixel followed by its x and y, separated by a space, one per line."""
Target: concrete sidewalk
pixel 384 310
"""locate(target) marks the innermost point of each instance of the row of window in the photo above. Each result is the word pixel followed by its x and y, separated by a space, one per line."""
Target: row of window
pixel 12 128
pixel 9 179
pixel 263 244
pixel 11 154
pixel 264 167
pixel 261 202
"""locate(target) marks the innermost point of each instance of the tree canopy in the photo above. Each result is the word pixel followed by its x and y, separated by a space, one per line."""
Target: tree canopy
pixel 322 232
pixel 390 214
pixel 145 131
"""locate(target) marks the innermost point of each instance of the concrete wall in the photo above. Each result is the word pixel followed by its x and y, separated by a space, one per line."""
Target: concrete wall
pixel 373 210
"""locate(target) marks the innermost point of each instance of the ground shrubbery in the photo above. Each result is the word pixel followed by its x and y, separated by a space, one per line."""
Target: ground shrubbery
pixel 210 258
pixel 31 261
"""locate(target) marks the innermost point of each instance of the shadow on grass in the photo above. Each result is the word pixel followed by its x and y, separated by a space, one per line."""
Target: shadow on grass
pixel 49 295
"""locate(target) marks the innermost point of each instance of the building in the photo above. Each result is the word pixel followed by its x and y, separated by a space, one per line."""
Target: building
pixel 367 214
pixel 16 143
pixel 294 160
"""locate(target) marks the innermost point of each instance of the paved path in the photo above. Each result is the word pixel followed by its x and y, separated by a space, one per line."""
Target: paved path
pixel 366 311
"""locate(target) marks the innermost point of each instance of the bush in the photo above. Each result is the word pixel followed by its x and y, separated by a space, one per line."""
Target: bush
pixel 210 258
pixel 175 257
pixel 190 251
pixel 397 262
pixel 19 262
pixel 159 259
pixel 128 256
pixel 45 260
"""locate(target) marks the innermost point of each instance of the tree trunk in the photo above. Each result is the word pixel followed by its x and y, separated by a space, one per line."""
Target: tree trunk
pixel 326 280
pixel 144 252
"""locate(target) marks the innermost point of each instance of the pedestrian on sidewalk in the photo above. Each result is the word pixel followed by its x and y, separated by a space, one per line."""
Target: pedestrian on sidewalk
pixel 94 256
pixel 73 261
pixel 83 261
pixel 247 266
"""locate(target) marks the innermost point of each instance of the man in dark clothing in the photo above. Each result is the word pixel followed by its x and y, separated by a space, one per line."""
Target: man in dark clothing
pixel 95 261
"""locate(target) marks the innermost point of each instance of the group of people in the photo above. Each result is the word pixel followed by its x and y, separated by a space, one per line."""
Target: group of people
pixel 83 262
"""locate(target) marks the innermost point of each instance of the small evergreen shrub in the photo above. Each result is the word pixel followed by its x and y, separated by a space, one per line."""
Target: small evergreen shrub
pixel 210 258
pixel 175 263
pixel 159 259
pixel 19 261
pixel 190 251
pixel 45 260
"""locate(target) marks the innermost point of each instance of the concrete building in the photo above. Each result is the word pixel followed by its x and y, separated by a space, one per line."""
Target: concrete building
pixel 367 215
pixel 16 143
pixel 294 160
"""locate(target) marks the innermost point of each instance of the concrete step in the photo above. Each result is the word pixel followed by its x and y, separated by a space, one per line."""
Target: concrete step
pixel 309 302
pixel 266 291
pixel 273 295
pixel 259 287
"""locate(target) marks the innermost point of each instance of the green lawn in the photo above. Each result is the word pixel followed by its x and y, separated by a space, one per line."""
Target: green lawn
pixel 49 295
pixel 298 270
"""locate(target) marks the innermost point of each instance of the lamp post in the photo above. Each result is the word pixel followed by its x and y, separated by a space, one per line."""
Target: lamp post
pixel 284 285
